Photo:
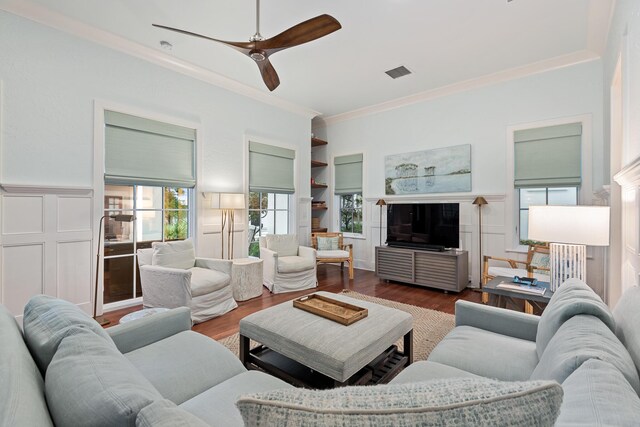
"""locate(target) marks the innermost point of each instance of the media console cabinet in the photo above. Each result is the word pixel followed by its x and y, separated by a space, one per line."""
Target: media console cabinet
pixel 448 270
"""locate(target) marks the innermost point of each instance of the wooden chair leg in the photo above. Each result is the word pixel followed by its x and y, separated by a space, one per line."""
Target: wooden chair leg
pixel 351 270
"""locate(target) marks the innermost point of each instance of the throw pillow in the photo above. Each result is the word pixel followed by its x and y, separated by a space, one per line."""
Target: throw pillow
pixel 178 254
pixel 540 260
pixel 468 401
pixel 598 391
pixel 328 243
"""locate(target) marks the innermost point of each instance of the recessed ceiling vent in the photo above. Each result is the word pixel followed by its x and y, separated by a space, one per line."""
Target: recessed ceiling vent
pixel 396 73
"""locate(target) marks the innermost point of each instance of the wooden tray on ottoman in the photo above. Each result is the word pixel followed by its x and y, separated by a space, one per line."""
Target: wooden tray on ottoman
pixel 331 309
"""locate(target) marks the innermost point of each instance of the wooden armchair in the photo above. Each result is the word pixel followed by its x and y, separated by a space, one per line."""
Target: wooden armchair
pixel 342 253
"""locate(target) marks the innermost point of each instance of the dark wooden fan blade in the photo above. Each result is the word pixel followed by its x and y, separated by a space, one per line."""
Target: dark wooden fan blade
pixel 269 74
pixel 243 47
pixel 304 32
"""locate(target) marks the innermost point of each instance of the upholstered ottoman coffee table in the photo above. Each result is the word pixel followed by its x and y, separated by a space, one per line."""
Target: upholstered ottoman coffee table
pixel 308 350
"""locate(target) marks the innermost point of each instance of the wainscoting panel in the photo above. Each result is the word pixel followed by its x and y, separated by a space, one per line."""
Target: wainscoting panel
pixel 74 273
pixel 22 214
pixel 46 245
pixel 22 275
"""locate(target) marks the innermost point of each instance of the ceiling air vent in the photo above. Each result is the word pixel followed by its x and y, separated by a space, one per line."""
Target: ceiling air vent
pixel 398 72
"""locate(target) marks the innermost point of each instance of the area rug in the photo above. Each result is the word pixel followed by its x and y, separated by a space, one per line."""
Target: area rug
pixel 429 326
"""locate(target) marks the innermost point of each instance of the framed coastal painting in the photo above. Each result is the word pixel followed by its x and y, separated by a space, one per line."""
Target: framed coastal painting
pixel 442 170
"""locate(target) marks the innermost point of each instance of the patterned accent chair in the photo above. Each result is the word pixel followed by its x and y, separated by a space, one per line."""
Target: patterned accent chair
pixel 331 249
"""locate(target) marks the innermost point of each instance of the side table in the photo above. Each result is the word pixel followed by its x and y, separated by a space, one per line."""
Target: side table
pixel 246 278
pixel 529 299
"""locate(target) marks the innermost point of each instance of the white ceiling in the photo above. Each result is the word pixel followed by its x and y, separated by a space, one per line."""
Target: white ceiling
pixel 443 42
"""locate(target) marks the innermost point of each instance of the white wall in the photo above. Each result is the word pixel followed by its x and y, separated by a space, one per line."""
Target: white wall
pixel 50 82
pixel 622 131
pixel 479 117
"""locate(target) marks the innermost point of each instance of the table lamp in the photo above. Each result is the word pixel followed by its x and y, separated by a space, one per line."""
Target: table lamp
pixel 569 230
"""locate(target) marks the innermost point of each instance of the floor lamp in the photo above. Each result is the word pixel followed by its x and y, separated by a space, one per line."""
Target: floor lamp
pixel 480 201
pixel 118 218
pixel 569 229
pixel 229 202
pixel 381 203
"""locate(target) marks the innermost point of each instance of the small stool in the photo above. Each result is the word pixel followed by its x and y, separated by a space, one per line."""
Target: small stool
pixel 246 278
pixel 142 313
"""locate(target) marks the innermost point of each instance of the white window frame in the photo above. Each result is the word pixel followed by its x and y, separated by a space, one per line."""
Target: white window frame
pixel 337 215
pixel 274 210
pixel 99 108
pixel 512 203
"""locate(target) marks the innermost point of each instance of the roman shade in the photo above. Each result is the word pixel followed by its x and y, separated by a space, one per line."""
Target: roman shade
pixel 147 152
pixel 270 169
pixel 548 156
pixel 348 174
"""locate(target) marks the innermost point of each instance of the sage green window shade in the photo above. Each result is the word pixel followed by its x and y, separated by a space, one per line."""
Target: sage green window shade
pixel 146 152
pixel 348 174
pixel 549 156
pixel 270 169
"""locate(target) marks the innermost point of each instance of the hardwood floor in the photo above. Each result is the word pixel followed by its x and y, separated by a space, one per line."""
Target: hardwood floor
pixel 330 279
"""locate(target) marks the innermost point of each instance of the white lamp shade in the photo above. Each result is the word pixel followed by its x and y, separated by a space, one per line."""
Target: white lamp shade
pixel 580 225
pixel 232 201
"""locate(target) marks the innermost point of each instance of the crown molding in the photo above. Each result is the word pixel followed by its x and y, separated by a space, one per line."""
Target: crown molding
pixel 490 79
pixel 29 10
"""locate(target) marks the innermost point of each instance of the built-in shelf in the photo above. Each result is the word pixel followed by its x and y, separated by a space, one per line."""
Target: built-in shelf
pixel 314 185
pixel 319 230
pixel 319 208
pixel 316 142
pixel 318 164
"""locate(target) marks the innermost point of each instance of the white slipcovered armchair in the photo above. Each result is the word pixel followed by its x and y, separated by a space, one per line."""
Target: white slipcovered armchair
pixel 288 267
pixel 172 276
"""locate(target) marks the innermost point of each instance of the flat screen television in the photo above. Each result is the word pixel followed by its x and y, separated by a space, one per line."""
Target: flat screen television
pixel 429 226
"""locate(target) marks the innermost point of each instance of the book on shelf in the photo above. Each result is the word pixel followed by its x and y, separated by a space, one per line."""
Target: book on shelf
pixel 525 289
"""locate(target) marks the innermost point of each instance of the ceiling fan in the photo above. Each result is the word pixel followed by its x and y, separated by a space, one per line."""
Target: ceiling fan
pixel 259 49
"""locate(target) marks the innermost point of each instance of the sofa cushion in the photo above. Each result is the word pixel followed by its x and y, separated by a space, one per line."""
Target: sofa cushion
pixel 205 281
pixel 627 317
pixel 295 264
pixel 90 383
pixel 22 392
pixel 597 394
pixel 424 370
pixel 579 339
pixel 176 254
pixel 486 354
pixel 185 364
pixel 47 321
pixel 283 244
pixel 165 413
pixel 459 401
pixel 572 298
pixel 328 243
pixel 217 407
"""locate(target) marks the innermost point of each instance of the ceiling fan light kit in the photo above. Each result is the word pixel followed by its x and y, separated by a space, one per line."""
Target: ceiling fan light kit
pixel 259 49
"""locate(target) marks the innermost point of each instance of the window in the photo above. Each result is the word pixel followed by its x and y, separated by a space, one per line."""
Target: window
pixel 161 213
pixel 547 169
pixel 268 214
pixel 348 190
pixel 351 213
pixel 567 196
pixel 150 173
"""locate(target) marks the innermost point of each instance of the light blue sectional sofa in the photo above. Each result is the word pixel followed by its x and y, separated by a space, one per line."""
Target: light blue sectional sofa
pixel 66 370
